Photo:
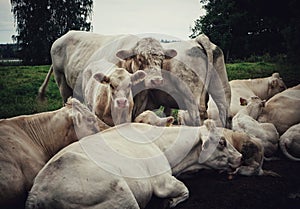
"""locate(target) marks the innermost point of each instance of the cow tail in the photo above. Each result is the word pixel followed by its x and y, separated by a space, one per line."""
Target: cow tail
pixel 285 152
pixel 42 89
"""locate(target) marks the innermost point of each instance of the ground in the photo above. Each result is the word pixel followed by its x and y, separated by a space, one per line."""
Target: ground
pixel 211 190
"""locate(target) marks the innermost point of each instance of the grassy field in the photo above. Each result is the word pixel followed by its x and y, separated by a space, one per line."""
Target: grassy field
pixel 19 85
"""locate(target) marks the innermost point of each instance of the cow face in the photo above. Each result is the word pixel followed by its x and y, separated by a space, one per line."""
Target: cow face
pixel 151 118
pixel 276 85
pixel 217 152
pixel 120 82
pixel 148 56
pixel 254 106
pixel 84 121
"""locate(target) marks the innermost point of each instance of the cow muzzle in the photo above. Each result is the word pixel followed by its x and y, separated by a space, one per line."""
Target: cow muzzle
pixel 157 81
pixel 121 103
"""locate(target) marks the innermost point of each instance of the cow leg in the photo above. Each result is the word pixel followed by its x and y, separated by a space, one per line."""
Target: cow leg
pixel 167 186
pixel 64 89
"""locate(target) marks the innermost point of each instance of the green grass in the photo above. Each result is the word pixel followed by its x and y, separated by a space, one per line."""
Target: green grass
pixel 19 85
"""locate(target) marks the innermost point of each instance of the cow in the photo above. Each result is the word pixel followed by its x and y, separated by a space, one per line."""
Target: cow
pixel 290 142
pixel 122 167
pixel 246 121
pixel 27 142
pixel 264 88
pixel 197 69
pixel 107 92
pixel 149 117
pixel 282 109
pixel 75 50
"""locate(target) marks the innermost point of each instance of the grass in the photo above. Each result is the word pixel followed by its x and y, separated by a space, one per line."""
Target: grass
pixel 19 85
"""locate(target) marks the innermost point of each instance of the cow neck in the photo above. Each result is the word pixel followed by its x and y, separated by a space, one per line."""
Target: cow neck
pixel 47 131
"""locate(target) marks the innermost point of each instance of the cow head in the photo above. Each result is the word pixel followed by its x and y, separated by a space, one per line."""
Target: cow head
pixel 275 85
pixel 217 152
pixel 84 121
pixel 151 118
pixel 147 55
pixel 254 106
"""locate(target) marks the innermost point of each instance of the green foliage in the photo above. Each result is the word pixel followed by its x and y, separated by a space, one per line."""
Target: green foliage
pixel 251 27
pixel 19 87
pixel 41 22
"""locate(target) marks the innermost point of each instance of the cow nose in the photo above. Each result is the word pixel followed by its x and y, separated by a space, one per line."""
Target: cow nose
pixel 122 103
pixel 157 81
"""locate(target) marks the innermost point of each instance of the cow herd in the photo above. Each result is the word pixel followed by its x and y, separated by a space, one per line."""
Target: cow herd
pixel 106 148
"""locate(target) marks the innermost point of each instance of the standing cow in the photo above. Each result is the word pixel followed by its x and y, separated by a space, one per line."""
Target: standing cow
pixel 74 51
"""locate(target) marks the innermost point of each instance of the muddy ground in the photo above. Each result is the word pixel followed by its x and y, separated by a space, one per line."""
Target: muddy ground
pixel 211 190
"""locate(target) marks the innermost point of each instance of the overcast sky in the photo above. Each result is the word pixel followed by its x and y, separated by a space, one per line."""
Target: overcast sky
pixel 171 17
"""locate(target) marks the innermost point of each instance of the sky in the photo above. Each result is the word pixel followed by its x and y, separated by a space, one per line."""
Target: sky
pixel 170 17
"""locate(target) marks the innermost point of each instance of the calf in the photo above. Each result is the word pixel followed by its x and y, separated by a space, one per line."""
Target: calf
pixel 124 166
pixel 110 96
pixel 290 143
pixel 151 118
pixel 28 142
pixel 246 120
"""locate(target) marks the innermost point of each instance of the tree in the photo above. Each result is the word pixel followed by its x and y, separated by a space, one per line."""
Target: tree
pixel 249 27
pixel 41 22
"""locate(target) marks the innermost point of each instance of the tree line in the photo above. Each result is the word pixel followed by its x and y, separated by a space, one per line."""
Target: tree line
pixel 244 28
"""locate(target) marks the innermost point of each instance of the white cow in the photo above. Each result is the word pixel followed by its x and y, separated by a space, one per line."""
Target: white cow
pixel 75 50
pixel 107 91
pixel 264 88
pixel 28 142
pixel 151 118
pixel 290 142
pixel 246 121
pixel 124 166
pixel 197 69
pixel 283 109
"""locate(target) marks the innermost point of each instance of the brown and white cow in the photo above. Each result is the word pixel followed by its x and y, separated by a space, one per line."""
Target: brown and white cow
pixel 107 91
pixel 124 166
pixel 290 143
pixel 75 50
pixel 28 142
pixel 149 117
pixel 264 88
pixel 283 109
pixel 197 69
pixel 246 121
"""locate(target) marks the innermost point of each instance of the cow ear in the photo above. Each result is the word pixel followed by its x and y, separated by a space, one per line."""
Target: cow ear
pixel 100 77
pixel 125 54
pixel 170 120
pixel 170 53
pixel 243 102
pixel 137 77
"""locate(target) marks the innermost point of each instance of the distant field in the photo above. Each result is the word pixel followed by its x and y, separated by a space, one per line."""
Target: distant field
pixel 19 85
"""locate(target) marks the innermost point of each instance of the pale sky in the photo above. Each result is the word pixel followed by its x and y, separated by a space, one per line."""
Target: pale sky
pixel 170 17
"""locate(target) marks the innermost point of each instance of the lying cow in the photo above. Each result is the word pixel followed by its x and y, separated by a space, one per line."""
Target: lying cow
pixel 149 117
pixel 290 143
pixel 197 69
pixel 28 142
pixel 124 166
pixel 283 109
pixel 107 92
pixel 246 121
pixel 74 51
pixel 264 88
